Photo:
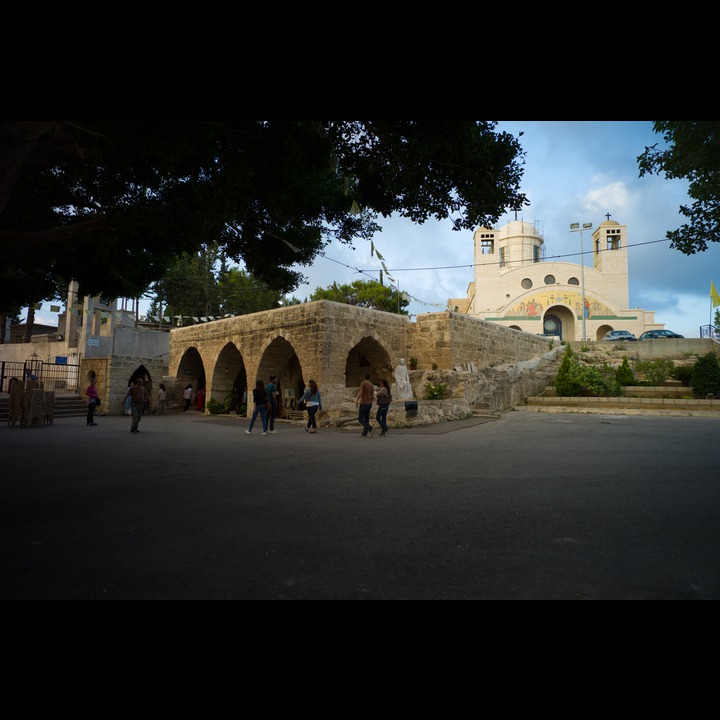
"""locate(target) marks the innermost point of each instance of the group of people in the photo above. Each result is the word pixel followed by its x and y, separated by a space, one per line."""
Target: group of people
pixel 136 402
pixel 364 400
pixel 266 400
pixel 265 404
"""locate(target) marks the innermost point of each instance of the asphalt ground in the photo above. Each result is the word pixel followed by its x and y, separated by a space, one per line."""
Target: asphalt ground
pixel 529 506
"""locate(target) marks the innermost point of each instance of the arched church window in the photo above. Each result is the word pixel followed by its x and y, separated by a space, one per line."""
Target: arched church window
pixel 549 279
pixel 573 281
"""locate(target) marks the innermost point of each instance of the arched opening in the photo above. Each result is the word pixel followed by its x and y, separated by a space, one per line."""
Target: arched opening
pixel 191 371
pixel 558 321
pixel 281 360
pixel 368 356
pixel 602 331
pixel 230 376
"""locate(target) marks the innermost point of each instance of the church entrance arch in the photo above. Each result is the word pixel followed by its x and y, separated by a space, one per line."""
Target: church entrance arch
pixel 558 321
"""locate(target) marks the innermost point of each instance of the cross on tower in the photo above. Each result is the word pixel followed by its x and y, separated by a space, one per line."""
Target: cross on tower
pixel 607 215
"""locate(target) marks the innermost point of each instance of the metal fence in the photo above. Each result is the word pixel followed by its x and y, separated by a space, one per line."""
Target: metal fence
pixel 58 377
pixel 708 331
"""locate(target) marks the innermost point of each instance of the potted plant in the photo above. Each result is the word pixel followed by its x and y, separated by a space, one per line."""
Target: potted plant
pixel 412 363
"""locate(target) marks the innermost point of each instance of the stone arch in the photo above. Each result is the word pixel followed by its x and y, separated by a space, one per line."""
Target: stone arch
pixel 229 372
pixel 514 327
pixel 191 371
pixel 367 356
pixel 602 331
pixel 566 318
pixel 281 360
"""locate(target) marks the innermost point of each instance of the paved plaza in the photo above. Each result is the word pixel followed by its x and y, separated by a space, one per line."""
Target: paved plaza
pixel 529 506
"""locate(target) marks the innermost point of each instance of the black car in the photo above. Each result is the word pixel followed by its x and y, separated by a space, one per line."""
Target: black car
pixel 653 334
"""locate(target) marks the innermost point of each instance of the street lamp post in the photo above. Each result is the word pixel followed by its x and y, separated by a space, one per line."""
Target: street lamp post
pixel 575 227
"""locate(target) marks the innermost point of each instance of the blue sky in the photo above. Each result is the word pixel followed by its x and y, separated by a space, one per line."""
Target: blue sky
pixel 575 171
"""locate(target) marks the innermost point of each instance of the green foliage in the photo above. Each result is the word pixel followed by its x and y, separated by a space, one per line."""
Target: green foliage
pixel 691 153
pixel 706 375
pixel 656 371
pixel 575 379
pixel 683 373
pixel 561 383
pixel 435 391
pixel 216 408
pixel 624 374
pixel 364 293
pixel 113 203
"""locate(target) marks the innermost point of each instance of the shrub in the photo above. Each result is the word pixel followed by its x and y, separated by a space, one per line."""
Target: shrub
pixel 683 373
pixel 216 408
pixel 435 391
pixel 624 374
pixel 574 379
pixel 706 375
pixel 562 384
pixel 657 371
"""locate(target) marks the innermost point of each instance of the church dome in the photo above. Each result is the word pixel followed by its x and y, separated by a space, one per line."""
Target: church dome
pixel 520 228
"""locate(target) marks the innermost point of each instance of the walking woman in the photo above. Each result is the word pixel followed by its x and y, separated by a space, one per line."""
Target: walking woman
pixel 259 400
pixel 384 397
pixel 92 400
pixel 313 403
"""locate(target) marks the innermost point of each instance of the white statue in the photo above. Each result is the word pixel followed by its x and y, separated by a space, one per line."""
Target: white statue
pixel 403 389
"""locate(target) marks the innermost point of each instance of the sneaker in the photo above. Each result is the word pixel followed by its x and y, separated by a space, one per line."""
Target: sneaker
pixel 312 431
pixel 263 433
pixel 272 431
pixel 247 432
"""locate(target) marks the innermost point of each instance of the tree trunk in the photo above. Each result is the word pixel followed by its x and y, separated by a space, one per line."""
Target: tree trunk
pixel 30 322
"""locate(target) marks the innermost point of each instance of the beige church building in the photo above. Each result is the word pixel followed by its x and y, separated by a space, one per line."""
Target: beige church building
pixel 516 287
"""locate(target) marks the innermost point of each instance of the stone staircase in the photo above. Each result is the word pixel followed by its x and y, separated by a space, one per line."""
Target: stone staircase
pixel 66 405
pixel 671 398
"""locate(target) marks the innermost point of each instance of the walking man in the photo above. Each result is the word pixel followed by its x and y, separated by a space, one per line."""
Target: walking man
pixel 364 402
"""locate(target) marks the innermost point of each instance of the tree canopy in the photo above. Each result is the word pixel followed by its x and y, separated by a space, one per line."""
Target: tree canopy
pixel 201 284
pixel 364 293
pixel 693 153
pixel 111 204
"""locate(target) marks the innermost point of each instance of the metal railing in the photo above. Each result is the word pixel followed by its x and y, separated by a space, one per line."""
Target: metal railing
pixel 709 331
pixel 58 377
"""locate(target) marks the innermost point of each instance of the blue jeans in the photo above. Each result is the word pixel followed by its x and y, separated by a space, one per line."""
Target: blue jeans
pixel 381 416
pixel 364 417
pixel 272 415
pixel 137 413
pixel 311 410
pixel 259 409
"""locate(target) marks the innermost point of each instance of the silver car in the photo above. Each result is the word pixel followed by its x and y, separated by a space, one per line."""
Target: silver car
pixel 618 335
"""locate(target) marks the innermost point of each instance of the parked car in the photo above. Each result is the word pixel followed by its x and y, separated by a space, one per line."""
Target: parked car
pixel 618 335
pixel 653 334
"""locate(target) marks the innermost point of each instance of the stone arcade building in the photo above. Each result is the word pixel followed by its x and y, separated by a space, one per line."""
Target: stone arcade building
pixel 337 344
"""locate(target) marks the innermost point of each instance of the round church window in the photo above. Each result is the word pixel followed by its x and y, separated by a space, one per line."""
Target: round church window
pixel 526 283
pixel 549 279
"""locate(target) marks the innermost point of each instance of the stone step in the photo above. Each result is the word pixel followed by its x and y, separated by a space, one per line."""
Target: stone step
pixel 65 406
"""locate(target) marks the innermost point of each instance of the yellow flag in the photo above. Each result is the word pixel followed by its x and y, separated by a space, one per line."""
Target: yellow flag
pixel 714 295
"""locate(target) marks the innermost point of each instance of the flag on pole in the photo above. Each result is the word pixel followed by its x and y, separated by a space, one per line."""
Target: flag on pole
pixel 714 297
